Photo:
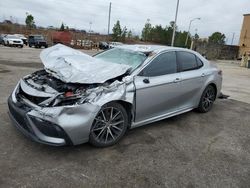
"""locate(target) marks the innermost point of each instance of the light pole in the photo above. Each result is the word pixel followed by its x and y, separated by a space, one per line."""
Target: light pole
pixel 90 24
pixel 174 29
pixel 109 19
pixel 189 27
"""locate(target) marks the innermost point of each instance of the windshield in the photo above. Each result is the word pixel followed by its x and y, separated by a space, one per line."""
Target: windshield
pixel 123 56
pixel 12 37
pixel 38 37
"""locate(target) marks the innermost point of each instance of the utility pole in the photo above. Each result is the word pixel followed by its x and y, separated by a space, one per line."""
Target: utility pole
pixel 109 18
pixel 174 29
pixel 232 39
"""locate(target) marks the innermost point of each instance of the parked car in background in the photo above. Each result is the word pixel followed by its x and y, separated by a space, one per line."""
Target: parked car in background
pixel 37 41
pixel 103 45
pixel 115 44
pixel 87 44
pixel 1 38
pixel 62 37
pixel 12 41
pixel 23 38
pixel 77 98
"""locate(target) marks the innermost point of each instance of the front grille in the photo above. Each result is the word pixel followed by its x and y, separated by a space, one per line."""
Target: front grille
pixel 41 43
pixel 17 41
pixel 34 99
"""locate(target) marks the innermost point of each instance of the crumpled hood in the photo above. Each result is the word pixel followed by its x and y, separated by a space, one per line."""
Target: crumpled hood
pixel 73 66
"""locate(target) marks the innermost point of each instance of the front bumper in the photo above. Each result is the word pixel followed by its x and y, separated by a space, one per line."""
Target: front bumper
pixel 35 128
pixel 44 44
pixel 62 125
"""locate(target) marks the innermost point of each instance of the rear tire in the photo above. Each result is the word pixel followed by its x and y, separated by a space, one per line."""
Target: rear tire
pixel 207 99
pixel 109 125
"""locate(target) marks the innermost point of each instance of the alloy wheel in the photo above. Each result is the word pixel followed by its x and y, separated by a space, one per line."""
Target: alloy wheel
pixel 108 125
pixel 208 98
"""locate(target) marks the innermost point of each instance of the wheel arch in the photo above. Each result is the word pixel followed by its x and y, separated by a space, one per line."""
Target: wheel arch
pixel 128 107
pixel 214 86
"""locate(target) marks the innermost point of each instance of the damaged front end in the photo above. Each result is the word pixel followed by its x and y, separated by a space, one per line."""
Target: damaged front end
pixel 44 90
pixel 57 105
pixel 57 113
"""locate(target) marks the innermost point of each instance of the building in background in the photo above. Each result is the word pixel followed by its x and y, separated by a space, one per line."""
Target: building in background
pixel 245 36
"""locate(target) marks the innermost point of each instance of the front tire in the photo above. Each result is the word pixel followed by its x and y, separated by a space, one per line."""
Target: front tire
pixel 109 125
pixel 207 99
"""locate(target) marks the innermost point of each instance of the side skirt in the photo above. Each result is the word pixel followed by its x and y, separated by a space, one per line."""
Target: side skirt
pixel 158 118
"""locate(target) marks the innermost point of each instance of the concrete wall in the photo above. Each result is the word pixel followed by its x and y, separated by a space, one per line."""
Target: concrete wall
pixel 245 36
pixel 213 51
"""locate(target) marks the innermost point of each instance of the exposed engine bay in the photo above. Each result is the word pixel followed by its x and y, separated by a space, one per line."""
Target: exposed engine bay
pixel 54 92
pixel 44 79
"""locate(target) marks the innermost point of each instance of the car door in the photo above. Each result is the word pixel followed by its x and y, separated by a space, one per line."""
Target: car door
pixel 157 87
pixel 192 78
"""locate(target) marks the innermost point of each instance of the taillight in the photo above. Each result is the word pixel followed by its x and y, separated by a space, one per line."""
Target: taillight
pixel 220 72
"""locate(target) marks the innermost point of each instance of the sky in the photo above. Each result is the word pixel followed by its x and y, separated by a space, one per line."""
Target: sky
pixel 225 16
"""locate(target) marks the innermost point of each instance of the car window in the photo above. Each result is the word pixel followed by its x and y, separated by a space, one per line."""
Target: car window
pixel 12 37
pixel 162 65
pixel 199 62
pixel 123 56
pixel 187 61
pixel 38 37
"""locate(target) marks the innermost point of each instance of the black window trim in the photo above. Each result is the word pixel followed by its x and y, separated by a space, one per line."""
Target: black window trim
pixel 196 59
pixel 163 52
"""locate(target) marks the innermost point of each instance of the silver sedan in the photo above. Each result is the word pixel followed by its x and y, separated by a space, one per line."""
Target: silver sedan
pixel 78 98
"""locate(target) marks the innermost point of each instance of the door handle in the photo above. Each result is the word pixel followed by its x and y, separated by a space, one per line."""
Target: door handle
pixel 146 81
pixel 203 74
pixel 177 80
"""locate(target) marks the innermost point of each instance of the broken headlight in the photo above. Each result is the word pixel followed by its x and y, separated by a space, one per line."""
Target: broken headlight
pixel 69 98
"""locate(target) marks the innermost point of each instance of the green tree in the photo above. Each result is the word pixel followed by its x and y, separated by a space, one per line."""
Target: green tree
pixel 217 38
pixel 172 24
pixel 124 34
pixel 146 31
pixel 163 35
pixel 130 35
pixel 117 31
pixel 196 36
pixel 62 28
pixel 181 39
pixel 30 23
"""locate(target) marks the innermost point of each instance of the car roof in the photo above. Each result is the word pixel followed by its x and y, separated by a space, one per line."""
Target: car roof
pixel 151 48
pixel 35 35
pixel 10 35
